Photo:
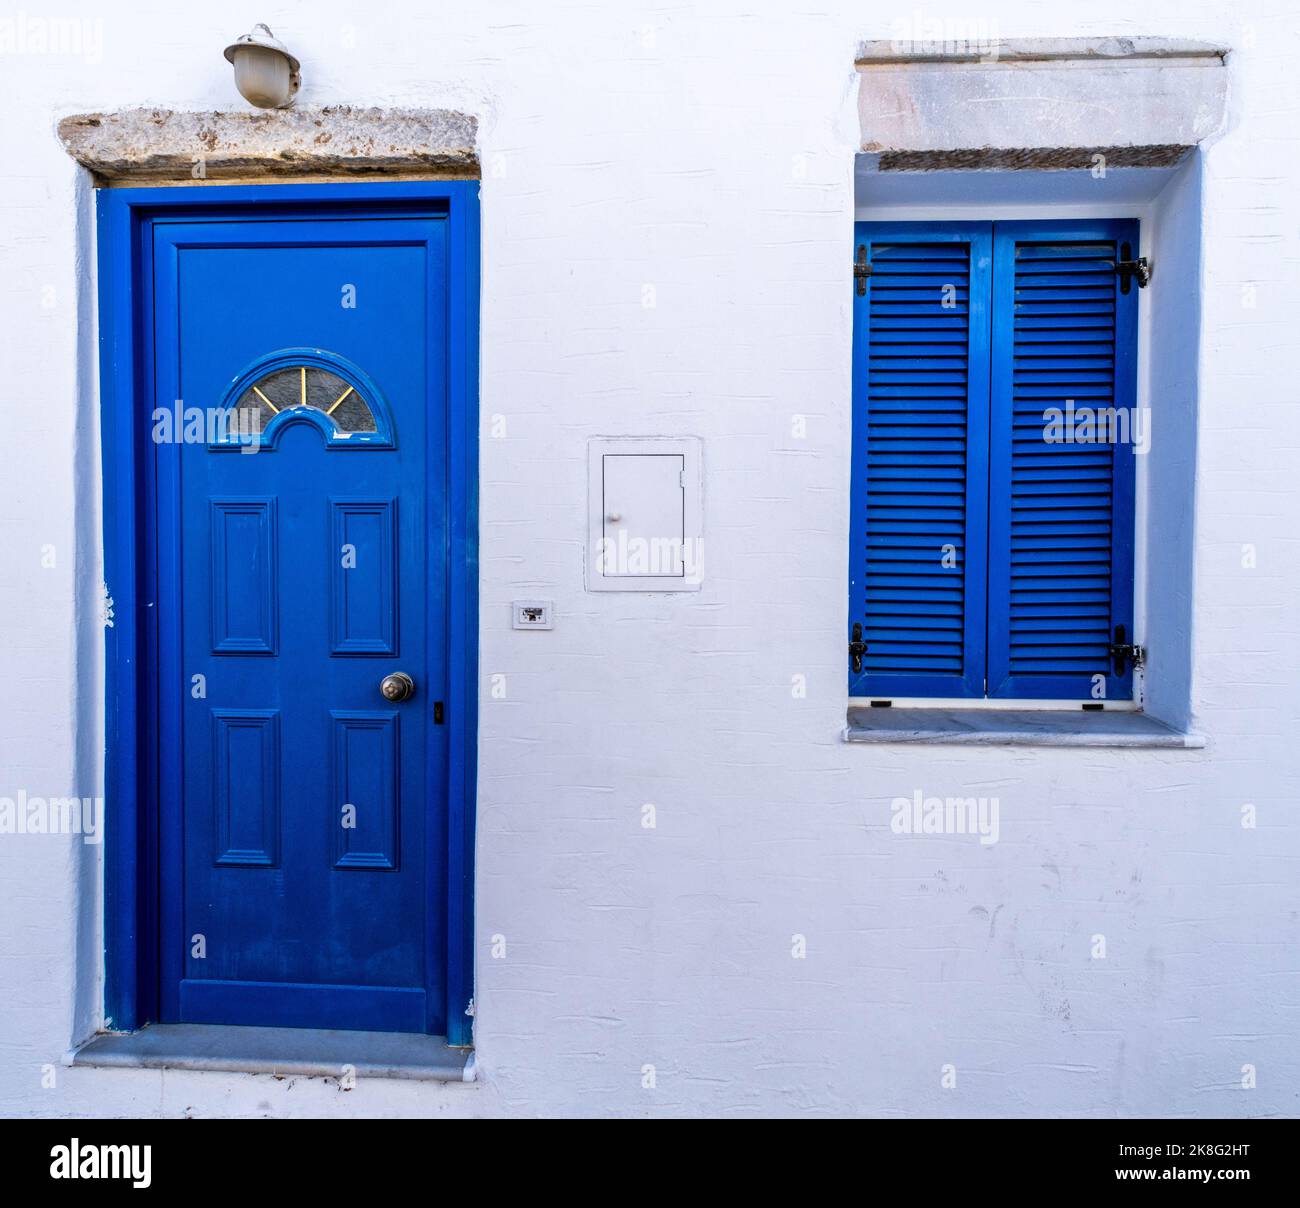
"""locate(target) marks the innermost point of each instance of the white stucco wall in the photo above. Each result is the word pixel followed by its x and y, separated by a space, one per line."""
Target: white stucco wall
pixel 707 151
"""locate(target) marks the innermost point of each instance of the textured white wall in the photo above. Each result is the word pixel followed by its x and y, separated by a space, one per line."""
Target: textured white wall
pixel 707 151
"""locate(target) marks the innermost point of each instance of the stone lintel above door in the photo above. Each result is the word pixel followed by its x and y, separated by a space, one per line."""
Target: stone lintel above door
pixel 1038 103
pixel 163 146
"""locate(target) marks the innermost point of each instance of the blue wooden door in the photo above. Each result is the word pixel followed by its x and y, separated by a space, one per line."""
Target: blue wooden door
pixel 302 558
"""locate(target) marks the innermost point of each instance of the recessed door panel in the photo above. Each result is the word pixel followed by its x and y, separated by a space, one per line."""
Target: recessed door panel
pixel 365 786
pixel 246 786
pixel 245 601
pixel 363 585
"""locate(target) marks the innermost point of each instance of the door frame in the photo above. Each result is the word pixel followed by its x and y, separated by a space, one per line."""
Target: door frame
pixel 131 753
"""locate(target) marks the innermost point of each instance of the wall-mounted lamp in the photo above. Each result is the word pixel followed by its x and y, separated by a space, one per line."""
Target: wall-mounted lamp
pixel 266 74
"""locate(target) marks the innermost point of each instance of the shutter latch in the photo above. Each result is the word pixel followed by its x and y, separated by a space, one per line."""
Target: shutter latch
pixel 857 648
pixel 862 270
pixel 1128 268
pixel 1124 653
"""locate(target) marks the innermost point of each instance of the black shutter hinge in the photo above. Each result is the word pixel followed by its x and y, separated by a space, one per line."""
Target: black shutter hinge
pixel 1128 268
pixel 1124 653
pixel 857 648
pixel 862 270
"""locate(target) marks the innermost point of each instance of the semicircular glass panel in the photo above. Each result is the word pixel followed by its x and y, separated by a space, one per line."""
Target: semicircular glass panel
pixel 310 387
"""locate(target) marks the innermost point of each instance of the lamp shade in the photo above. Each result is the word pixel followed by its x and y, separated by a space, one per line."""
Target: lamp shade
pixel 266 74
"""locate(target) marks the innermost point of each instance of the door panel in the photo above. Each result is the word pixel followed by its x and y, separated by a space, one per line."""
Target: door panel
pixel 303 824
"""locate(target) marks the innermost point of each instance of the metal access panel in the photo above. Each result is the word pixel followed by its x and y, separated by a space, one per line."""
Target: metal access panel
pixel 645 530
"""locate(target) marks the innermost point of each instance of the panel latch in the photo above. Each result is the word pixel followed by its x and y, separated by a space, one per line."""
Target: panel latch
pixel 1123 653
pixel 857 648
pixel 861 270
pixel 1128 268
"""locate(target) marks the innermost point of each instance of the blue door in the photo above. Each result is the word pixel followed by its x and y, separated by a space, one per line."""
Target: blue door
pixel 302 595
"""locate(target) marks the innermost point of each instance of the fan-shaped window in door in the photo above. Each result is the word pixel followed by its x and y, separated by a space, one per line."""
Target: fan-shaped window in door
pixel 309 386
pixel 305 385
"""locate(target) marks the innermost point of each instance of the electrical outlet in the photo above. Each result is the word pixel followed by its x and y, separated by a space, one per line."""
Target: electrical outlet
pixel 532 614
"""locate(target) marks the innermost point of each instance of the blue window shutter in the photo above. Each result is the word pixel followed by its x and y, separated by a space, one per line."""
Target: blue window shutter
pixel 1061 514
pixel 920 466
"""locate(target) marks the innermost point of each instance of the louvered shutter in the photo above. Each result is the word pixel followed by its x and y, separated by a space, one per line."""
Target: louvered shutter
pixel 1061 513
pixel 920 476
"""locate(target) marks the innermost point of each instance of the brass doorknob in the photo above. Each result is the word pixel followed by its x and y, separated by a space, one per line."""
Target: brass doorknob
pixel 398 686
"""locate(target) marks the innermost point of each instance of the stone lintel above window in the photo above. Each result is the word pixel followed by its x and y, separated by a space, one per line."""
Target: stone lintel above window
pixel 978 103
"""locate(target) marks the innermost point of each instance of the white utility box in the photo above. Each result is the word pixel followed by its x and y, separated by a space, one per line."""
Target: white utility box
pixel 645 526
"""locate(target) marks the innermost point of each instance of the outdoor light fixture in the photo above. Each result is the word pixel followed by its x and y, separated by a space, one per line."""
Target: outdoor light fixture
pixel 266 74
